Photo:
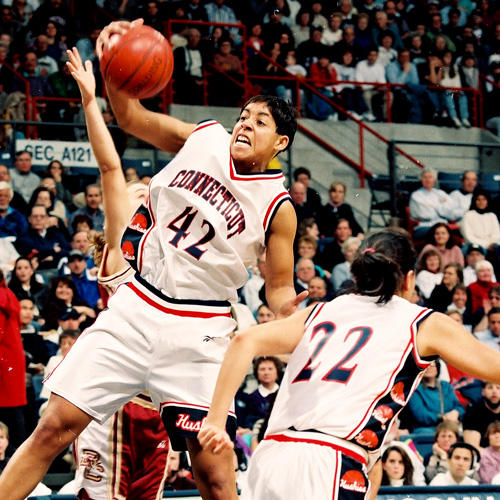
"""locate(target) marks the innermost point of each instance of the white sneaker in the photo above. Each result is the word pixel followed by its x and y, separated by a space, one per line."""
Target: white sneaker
pixel 369 116
pixel 456 121
pixel 466 123
pixel 334 117
pixel 355 115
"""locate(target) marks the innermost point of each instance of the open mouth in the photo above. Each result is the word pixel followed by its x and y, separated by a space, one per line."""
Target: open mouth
pixel 241 139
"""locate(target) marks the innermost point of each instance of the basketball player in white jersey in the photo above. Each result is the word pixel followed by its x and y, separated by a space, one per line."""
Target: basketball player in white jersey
pixel 355 363
pixel 213 211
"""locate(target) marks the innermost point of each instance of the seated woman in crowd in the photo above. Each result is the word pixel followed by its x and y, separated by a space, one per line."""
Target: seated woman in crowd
pixel 442 295
pixel 55 210
pixel 479 290
pixel 307 249
pixel 459 303
pixel 25 283
pixel 447 433
pixel 433 402
pixel 397 469
pixel 489 466
pixel 440 238
pixel 342 272
pixel 64 295
pixel 429 272
pixel 480 225
pixel 56 170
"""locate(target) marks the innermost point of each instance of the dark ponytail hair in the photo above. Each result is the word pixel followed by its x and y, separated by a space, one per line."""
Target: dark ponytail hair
pixel 382 262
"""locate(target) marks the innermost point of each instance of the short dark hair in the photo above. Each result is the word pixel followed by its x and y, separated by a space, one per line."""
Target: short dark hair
pixel 301 170
pixel 277 363
pixel 284 114
pixel 493 310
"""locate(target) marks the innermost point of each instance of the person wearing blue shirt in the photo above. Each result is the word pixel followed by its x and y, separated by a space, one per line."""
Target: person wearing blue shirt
pixel 12 222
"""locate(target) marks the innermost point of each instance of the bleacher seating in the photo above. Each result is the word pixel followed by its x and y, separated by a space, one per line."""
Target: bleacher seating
pixel 449 181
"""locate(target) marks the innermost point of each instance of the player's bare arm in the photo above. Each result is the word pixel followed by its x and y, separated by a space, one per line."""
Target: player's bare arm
pixel 277 337
pixel 439 334
pixel 162 131
pixel 280 292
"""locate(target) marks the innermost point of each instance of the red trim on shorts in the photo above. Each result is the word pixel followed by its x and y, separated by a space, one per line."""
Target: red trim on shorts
pixel 176 312
pixel 346 451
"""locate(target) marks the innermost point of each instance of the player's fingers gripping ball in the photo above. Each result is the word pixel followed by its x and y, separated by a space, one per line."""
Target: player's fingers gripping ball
pixel 138 64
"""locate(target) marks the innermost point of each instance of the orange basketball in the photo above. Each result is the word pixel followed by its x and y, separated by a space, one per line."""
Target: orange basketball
pixel 138 64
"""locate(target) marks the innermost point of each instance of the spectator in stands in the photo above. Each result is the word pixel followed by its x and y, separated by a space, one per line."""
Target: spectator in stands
pixel 268 371
pixel 273 28
pixel 333 32
pixel 436 28
pixel 429 272
pixel 298 195
pixel 481 414
pixel 491 336
pixel 458 304
pixel 12 222
pixel 22 11
pixel 60 208
pixel 25 283
pixel 386 51
pixel 447 433
pixel 331 255
pixel 92 208
pixel 309 51
pixel 342 272
pixel 22 179
pixel 86 46
pixel 490 456
pixel 418 53
pixel 395 20
pixel 335 210
pixel 480 225
pixel 463 196
pixel 480 289
pixel 223 91
pixel 154 16
pixel 264 314
pixel 188 73
pixel 429 205
pixel 492 101
pixel 409 99
pixel 4 444
pixel 397 467
pixel 348 42
pixel 177 479
pixel 318 17
pixel 473 254
pixel 440 238
pixel 47 243
pixel 13 393
pixel 86 284
pixel 254 289
pixel 317 291
pixel 371 70
pixel 217 12
pixel 462 458
pixel 451 78
pixel 442 295
pixel 56 46
pixel 82 222
pixel 481 315
pixel 62 296
pixel 56 171
pixel 301 31
pixel 434 401
pixel 46 63
pixel 50 10
pixel 381 26
pixel 304 272
pixel 313 199
pixel 363 37
pixel 57 213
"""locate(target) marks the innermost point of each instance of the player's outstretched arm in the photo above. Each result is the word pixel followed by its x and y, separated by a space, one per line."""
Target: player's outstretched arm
pixel 440 335
pixel 162 131
pixel 115 199
pixel 280 292
pixel 269 339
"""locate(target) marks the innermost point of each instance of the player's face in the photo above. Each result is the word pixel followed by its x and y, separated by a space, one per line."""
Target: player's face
pixel 267 373
pixel 460 462
pixel 394 465
pixel 255 141
pixel 445 439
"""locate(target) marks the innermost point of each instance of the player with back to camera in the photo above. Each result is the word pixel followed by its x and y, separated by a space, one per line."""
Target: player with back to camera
pixel 328 424
pixel 214 210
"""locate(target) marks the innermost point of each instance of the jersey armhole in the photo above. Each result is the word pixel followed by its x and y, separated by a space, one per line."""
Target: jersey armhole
pixel 425 359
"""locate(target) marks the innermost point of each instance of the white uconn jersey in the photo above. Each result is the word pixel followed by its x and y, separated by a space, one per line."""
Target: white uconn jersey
pixel 353 370
pixel 209 223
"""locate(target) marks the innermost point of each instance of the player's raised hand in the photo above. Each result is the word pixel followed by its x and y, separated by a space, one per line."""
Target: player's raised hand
pixel 214 439
pixel 292 306
pixel 83 74
pixel 114 28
